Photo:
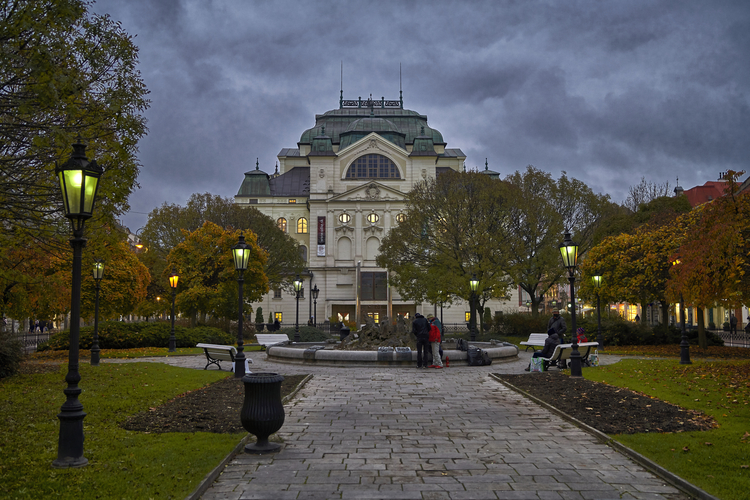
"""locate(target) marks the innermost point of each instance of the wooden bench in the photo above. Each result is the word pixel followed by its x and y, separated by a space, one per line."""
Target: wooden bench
pixel 266 339
pixel 535 340
pixel 562 353
pixel 215 353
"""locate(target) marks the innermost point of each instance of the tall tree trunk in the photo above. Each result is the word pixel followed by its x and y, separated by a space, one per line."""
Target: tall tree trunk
pixel 702 341
pixel 664 312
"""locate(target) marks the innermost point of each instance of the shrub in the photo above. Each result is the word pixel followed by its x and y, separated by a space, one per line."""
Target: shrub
pixel 259 315
pixel 118 335
pixel 306 334
pixel 519 325
pixel 11 354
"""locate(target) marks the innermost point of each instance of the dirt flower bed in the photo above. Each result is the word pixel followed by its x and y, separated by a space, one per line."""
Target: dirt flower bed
pixel 214 408
pixel 610 409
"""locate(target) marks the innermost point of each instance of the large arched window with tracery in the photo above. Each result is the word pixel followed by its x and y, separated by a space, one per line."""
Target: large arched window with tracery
pixel 373 167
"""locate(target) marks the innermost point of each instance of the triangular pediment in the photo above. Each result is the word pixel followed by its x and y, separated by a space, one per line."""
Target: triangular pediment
pixel 372 143
pixel 370 190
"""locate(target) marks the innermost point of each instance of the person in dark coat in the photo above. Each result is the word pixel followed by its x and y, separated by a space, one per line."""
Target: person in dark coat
pixel 420 327
pixel 732 324
pixel 550 343
pixel 557 323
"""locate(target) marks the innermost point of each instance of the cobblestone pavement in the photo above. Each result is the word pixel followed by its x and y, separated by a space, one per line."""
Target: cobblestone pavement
pixel 404 433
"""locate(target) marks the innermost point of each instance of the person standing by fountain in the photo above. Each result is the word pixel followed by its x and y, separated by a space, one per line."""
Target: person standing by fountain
pixel 435 342
pixel 420 327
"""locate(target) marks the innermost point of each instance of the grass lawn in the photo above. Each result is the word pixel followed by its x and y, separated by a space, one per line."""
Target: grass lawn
pixel 143 352
pixel 122 464
pixel 718 461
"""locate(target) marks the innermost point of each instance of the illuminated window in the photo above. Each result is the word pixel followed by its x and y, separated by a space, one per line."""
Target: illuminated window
pixel 292 200
pixel 345 218
pixel 467 316
pixel 302 225
pixel 375 316
pixel 278 316
pixel 373 218
pixel 400 217
pixel 281 223
pixel 373 167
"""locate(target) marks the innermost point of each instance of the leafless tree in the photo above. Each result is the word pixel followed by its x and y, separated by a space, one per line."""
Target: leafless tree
pixel 644 192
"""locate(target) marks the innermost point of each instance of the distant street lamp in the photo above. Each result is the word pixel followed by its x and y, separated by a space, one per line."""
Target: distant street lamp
pixel 79 182
pixel 173 279
pixel 315 291
pixel 98 275
pixel 241 254
pixel 598 285
pixel 569 253
pixel 684 345
pixel 473 284
pixel 297 289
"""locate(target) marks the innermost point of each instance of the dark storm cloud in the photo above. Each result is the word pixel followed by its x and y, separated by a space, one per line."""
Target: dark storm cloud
pixel 606 91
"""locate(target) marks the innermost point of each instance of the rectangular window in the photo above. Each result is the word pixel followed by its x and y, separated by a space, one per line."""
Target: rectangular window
pixel 467 316
pixel 277 293
pixel 375 316
pixel 278 316
pixel 373 286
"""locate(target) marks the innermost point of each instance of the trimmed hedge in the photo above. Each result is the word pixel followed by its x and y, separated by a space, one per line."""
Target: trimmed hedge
pixel 11 354
pixel 118 335
pixel 616 331
pixel 306 334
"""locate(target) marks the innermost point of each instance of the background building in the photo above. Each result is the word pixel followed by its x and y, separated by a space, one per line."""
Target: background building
pixel 338 193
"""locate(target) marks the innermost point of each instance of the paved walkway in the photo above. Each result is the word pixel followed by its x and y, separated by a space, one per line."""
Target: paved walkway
pixel 403 433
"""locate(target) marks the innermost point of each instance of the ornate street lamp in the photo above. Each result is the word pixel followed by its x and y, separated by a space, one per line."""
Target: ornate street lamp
pixel 684 345
pixel 173 279
pixel 569 253
pixel 598 285
pixel 297 289
pixel 98 275
pixel 79 182
pixel 473 284
pixel 241 254
pixel 315 292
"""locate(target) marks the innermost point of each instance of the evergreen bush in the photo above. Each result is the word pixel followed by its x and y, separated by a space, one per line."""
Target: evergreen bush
pixel 119 335
pixel 11 354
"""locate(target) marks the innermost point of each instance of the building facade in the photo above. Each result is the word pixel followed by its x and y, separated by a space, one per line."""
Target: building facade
pixel 338 193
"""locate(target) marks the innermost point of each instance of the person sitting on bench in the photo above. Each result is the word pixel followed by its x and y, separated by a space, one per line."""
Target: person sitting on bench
pixel 552 341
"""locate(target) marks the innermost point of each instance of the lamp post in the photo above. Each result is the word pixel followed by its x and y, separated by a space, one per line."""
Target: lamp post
pixel 241 254
pixel 315 292
pixel 598 284
pixel 79 182
pixel 173 279
pixel 569 253
pixel 297 289
pixel 473 284
pixel 528 306
pixel 684 345
pixel 98 275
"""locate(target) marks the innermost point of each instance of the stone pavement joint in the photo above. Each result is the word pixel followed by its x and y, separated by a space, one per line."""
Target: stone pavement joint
pixel 402 433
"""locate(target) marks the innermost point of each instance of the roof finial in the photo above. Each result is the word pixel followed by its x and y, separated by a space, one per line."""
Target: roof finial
pixel 277 168
pixel 341 96
pixel 256 164
pixel 485 164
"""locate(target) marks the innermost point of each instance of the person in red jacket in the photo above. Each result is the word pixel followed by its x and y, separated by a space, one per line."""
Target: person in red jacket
pixel 435 342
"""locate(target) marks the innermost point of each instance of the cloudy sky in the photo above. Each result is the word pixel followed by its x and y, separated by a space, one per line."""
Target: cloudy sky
pixel 608 91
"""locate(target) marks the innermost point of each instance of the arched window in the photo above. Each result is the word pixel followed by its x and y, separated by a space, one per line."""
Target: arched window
pixel 372 167
pixel 281 223
pixel 302 225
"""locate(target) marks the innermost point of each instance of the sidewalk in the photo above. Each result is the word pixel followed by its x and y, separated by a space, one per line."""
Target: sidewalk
pixel 403 433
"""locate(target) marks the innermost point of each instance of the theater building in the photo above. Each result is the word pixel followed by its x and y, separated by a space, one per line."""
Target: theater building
pixel 338 193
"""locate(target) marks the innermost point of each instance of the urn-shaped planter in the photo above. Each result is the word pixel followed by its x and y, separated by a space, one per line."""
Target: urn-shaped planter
pixel 262 411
